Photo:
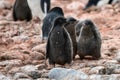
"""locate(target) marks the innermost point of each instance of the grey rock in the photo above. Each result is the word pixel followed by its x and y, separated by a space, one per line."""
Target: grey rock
pixel 31 70
pixel 5 4
pixel 66 74
pixel 118 57
pixel 24 79
pixel 106 71
pixel 45 79
pixel 20 38
pixel 3 77
pixel 95 70
pixel 105 77
pixel 10 62
pixel 112 65
pixel 28 68
pixel 99 77
pixel 21 76
pixel 115 77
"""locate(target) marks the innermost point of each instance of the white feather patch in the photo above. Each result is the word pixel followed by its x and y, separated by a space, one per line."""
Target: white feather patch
pixel 36 8
pixel 70 43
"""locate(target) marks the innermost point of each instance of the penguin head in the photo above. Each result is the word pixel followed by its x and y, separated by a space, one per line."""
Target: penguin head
pixel 87 23
pixel 71 19
pixel 57 10
pixel 59 21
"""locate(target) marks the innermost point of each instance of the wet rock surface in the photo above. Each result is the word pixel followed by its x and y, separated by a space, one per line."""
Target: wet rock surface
pixel 22 52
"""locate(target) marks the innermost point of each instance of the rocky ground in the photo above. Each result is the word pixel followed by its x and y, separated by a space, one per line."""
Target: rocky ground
pixel 22 52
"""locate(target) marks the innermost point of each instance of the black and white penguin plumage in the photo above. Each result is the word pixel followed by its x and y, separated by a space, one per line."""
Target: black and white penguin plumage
pixel 89 41
pixel 48 21
pixel 21 10
pixel 59 45
pixel 39 8
pixel 98 3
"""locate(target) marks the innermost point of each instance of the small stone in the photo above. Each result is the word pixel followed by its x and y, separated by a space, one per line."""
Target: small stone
pixel 95 70
pixel 37 55
pixel 118 57
pixel 20 76
pixel 3 77
pixel 40 48
pixel 31 70
pixel 67 74
pixel 106 71
pixel 11 62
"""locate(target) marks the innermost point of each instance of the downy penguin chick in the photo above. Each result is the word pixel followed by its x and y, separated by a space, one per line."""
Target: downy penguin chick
pixel 89 41
pixel 59 49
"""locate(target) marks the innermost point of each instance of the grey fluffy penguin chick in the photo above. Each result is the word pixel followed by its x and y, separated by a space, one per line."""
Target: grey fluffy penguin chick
pixel 89 41
pixel 59 49
pixel 70 26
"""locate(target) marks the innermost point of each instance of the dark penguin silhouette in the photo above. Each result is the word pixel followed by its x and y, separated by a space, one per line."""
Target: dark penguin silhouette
pixel 59 45
pixel 39 8
pixel 48 20
pixel 70 26
pixel 21 10
pixel 99 3
pixel 89 41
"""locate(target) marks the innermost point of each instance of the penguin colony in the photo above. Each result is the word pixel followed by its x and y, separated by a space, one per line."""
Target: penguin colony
pixel 66 37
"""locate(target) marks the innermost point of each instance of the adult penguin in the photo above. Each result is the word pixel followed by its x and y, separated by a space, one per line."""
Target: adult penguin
pixel 98 3
pixel 39 8
pixel 21 10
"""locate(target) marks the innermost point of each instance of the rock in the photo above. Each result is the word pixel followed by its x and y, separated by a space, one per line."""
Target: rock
pixel 28 68
pixel 118 57
pixel 66 74
pixel 95 70
pixel 104 77
pixel 3 77
pixel 40 48
pixel 18 39
pixel 99 77
pixel 11 62
pixel 31 70
pixel 106 71
pixel 41 66
pixel 37 56
pixel 112 65
pixel 4 4
pixel 115 77
pixel 24 79
pixel 44 79
pixel 117 71
pixel 20 76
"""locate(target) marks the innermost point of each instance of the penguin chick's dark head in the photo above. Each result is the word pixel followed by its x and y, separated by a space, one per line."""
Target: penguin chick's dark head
pixel 88 23
pixel 71 19
pixel 57 10
pixel 59 21
pixel 87 26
